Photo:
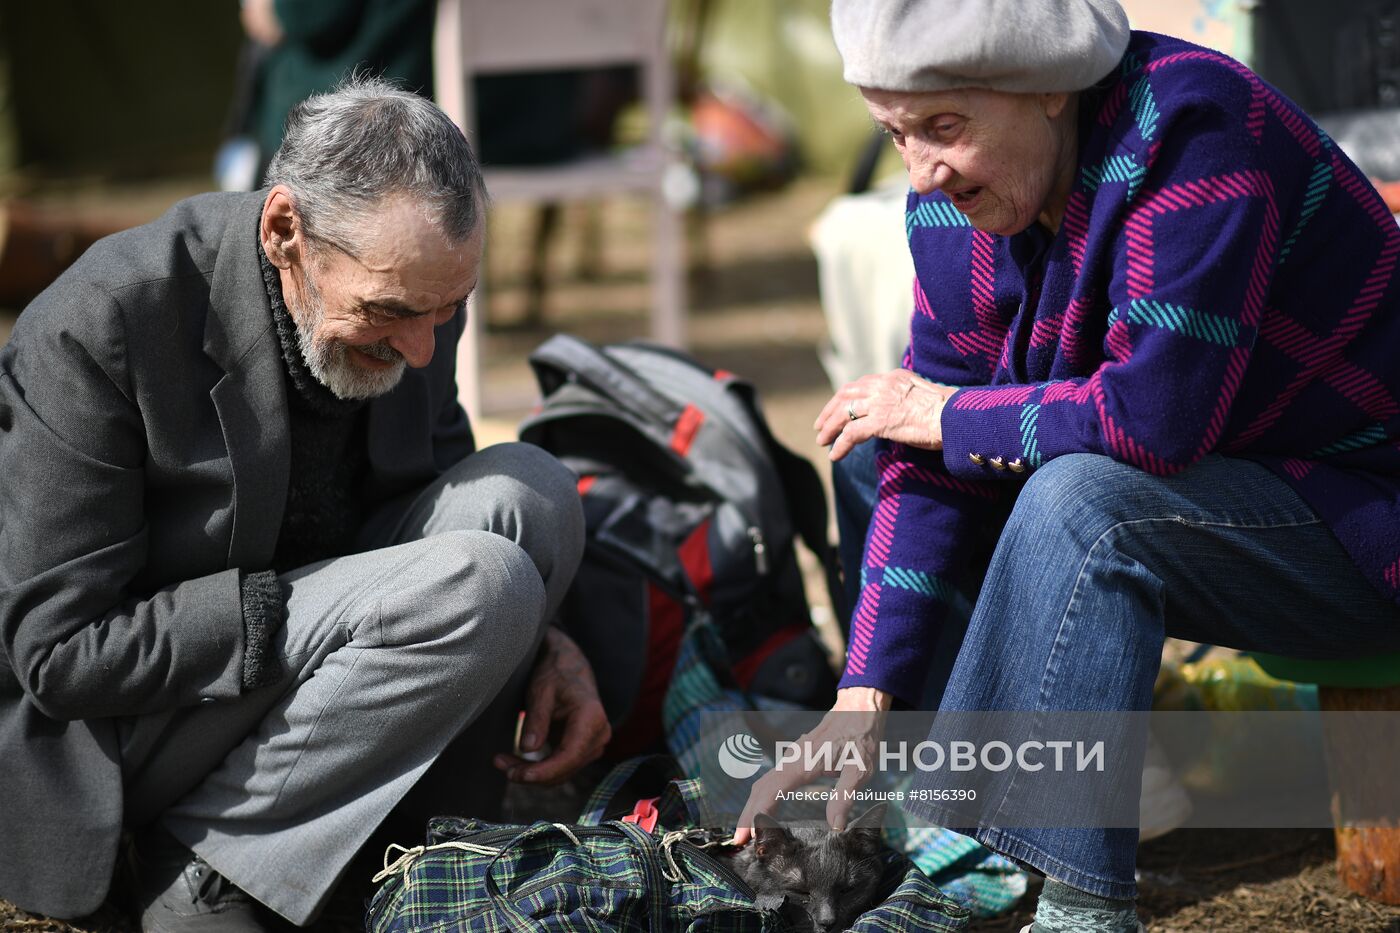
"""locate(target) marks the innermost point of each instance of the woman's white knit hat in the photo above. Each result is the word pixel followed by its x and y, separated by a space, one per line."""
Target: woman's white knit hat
pixel 1025 46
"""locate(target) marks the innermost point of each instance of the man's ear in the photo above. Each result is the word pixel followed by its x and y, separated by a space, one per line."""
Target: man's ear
pixel 770 839
pixel 280 229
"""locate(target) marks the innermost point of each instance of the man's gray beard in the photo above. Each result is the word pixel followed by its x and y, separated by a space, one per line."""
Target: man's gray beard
pixel 329 360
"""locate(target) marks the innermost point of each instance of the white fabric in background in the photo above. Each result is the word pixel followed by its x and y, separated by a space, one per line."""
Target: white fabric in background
pixel 866 276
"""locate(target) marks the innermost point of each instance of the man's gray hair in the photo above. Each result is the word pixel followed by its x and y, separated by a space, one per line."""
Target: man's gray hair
pixel 344 151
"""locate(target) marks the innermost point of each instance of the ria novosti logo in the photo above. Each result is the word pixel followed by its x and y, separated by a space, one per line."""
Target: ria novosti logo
pixel 740 756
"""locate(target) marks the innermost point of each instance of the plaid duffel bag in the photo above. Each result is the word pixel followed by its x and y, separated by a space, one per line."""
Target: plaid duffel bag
pixel 650 872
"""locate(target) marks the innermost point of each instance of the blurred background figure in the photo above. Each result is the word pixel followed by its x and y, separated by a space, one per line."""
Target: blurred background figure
pixel 304 47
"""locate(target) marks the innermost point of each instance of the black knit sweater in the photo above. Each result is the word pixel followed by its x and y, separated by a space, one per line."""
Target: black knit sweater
pixel 323 514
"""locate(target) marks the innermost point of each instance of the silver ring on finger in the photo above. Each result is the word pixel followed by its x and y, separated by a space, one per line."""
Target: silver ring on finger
pixel 851 411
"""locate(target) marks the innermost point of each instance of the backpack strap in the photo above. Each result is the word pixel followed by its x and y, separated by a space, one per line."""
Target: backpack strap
pixel 564 358
pixel 806 502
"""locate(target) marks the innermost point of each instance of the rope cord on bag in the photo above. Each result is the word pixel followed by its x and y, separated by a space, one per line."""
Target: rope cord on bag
pixel 672 871
pixel 408 856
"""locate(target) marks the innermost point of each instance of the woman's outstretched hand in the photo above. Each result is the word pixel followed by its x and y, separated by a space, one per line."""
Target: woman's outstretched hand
pixel 898 406
pixel 859 718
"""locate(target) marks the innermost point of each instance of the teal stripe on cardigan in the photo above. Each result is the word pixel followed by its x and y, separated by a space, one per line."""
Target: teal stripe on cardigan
pixel 1199 324
pixel 1144 107
pixel 1318 185
pixel 918 581
pixel 1030 447
pixel 1118 168
pixel 934 214
pixel 1367 437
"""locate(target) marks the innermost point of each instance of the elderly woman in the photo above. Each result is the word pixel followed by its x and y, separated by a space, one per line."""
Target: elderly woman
pixel 1157 319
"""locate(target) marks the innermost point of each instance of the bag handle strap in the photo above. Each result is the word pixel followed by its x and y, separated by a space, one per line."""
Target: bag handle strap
pixel 564 357
pixel 603 796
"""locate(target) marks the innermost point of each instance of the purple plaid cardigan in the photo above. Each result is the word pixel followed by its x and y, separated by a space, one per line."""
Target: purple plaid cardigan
pixel 1223 281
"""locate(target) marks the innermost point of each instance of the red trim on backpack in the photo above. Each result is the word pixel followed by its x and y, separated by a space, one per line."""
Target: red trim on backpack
pixel 683 434
pixel 722 374
pixel 747 667
pixel 641 731
pixel 585 483
pixel 694 553
pixel 644 814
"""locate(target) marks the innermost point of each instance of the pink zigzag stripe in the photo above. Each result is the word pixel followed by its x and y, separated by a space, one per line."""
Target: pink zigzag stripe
pixel 1137 230
pixel 1296 468
pixel 1114 104
pixel 1358 386
pixel 1254 117
pixel 863 632
pixel 1124 447
pixel 1118 342
pixel 1076 227
pixel 948 481
pixel 1230 387
pixel 894 473
pixel 1046 331
pixel 886 511
pixel 1362 389
pixel 972 343
pixel 1198 193
pixel 921 300
pixel 1059 392
pixel 1317 355
pixel 1297 126
pixel 1072 344
pixel 1364 195
pixel 1250 316
pixel 1000 397
pixel 1392 575
pixel 1004 362
pixel 983 277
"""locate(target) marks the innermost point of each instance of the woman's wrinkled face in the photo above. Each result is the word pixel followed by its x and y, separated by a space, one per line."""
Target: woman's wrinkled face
pixel 1004 160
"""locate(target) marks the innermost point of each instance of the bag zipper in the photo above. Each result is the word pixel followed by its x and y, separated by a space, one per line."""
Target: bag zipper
pixel 720 868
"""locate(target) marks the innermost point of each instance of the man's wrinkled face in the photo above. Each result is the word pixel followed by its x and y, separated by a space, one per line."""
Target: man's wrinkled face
pixel 362 317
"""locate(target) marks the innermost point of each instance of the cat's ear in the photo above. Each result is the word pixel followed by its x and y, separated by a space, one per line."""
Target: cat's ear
pixel 770 839
pixel 870 822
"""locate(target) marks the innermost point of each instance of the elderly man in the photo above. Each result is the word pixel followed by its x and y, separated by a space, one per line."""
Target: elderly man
pixel 254 581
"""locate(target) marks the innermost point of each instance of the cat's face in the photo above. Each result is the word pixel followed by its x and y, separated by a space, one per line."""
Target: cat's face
pixel 834 877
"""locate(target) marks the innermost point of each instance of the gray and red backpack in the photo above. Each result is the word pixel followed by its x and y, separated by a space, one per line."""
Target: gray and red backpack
pixel 692 508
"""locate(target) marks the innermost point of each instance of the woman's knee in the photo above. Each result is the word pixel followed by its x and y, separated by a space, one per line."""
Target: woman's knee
pixel 1079 494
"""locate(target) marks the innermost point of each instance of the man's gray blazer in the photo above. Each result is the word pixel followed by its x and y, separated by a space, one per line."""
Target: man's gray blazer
pixel 144 461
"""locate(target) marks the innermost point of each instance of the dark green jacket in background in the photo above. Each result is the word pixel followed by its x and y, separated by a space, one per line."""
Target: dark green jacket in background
pixel 325 40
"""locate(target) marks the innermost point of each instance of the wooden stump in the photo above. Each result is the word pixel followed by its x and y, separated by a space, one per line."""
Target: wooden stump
pixel 1363 785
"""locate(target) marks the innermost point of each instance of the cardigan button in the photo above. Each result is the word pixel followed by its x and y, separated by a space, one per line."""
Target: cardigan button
pixel 998 463
pixel 977 459
pixel 1017 466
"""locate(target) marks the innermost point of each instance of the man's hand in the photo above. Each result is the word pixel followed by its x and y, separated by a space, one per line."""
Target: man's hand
pixel 562 690
pixel 897 405
pixel 858 717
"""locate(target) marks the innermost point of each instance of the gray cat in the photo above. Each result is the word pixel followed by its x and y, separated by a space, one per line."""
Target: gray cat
pixel 829 878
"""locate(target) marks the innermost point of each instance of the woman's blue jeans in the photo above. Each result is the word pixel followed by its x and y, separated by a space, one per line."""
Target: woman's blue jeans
pixel 1098 563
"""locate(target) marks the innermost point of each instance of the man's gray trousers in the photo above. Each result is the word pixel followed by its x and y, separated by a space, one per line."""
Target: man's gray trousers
pixel 386 656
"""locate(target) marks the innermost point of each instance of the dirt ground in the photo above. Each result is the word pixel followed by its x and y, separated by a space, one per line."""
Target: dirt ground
pixel 755 310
